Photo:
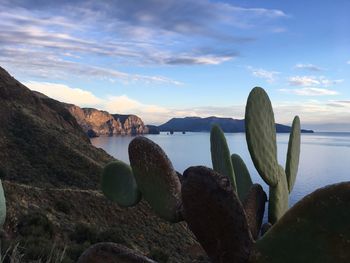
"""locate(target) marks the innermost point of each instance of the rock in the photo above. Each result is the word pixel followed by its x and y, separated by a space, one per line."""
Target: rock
pixel 152 129
pixel 112 253
pixel 95 122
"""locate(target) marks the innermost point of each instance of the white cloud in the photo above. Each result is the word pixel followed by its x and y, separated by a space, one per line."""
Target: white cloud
pixel 310 67
pixel 269 76
pixel 310 91
pixel 308 81
pixel 65 93
pixel 348 62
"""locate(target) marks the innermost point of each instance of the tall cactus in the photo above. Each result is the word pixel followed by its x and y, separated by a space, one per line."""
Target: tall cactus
pixel 119 185
pixel 261 140
pixel 220 155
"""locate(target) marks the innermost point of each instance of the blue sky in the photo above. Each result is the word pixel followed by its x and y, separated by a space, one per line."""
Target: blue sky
pixel 173 58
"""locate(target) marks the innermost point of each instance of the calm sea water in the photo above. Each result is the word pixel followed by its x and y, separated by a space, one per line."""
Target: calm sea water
pixel 324 158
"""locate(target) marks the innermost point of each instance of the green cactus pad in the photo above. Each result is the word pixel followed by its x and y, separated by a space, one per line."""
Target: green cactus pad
pixel 215 215
pixel 2 205
pixel 254 207
pixel 220 155
pixel 293 153
pixel 316 229
pixel 118 184
pixel 243 180
pixel 261 135
pixel 278 198
pixel 156 178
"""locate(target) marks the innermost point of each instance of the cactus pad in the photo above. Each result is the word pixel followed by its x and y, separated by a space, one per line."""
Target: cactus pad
pixel 254 207
pixel 278 198
pixel 316 229
pixel 243 180
pixel 261 135
pixel 119 185
pixel 215 215
pixel 293 153
pixel 156 178
pixel 220 155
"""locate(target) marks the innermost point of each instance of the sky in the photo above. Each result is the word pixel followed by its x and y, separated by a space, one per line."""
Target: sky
pixel 161 59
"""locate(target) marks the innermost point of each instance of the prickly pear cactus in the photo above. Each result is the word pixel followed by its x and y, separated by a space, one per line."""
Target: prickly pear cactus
pixel 243 179
pixel 156 178
pixel 215 215
pixel 261 135
pixel 293 153
pixel 119 185
pixel 316 229
pixel 220 155
pixel 278 198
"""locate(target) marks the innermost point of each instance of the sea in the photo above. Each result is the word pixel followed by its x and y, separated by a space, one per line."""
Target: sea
pixel 324 156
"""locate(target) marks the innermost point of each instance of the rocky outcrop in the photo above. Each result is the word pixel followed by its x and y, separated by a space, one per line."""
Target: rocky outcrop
pixel 95 122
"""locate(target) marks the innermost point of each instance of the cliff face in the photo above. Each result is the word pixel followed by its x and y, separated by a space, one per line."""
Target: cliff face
pixel 95 122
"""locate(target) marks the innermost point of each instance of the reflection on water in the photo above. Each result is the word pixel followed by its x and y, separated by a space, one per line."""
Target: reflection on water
pixel 324 159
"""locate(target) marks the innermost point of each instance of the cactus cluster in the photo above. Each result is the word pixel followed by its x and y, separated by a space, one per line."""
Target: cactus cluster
pixel 261 140
pixel 234 168
pixel 224 208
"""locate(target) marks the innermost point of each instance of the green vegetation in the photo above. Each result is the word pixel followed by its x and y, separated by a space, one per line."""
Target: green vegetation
pixel 261 140
pixel 224 209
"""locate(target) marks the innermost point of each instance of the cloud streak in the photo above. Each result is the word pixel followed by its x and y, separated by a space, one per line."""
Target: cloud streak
pixel 310 91
pixel 268 75
pixel 135 33
pixel 309 67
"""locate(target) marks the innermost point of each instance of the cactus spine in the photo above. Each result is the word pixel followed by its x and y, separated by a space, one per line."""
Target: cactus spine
pixel 261 140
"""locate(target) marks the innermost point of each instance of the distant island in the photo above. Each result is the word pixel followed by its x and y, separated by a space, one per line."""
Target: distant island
pixel 197 124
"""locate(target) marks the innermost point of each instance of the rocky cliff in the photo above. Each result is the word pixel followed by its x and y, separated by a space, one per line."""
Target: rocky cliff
pixel 95 122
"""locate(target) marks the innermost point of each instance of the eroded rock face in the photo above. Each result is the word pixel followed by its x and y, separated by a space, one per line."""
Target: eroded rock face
pixel 95 122
pixel 110 253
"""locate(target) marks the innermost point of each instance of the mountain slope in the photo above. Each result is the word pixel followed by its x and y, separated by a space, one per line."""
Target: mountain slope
pixel 50 174
pixel 197 124
pixel 41 142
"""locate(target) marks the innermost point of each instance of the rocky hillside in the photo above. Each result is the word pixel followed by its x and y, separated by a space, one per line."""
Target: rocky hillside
pixel 75 219
pixel 41 142
pixel 50 174
pixel 95 122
